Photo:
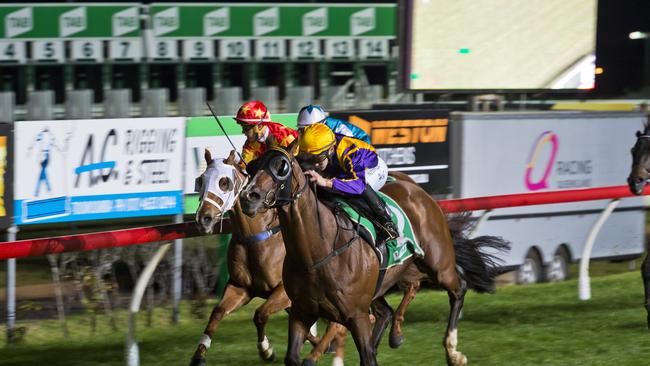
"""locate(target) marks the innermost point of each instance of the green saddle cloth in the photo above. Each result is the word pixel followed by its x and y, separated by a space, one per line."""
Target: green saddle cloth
pixel 400 249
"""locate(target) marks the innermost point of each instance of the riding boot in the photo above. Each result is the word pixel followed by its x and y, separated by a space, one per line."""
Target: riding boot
pixel 380 211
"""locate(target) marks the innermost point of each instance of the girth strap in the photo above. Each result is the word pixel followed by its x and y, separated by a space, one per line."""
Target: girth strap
pixel 264 235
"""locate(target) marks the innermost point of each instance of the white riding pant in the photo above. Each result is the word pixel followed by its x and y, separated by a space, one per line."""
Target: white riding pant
pixel 377 175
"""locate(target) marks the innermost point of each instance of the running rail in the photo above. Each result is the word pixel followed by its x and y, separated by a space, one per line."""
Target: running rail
pixel 120 238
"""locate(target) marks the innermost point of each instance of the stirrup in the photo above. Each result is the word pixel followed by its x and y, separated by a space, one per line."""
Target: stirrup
pixel 391 231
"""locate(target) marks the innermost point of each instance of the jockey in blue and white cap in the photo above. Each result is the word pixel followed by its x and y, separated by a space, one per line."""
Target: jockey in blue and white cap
pixel 311 114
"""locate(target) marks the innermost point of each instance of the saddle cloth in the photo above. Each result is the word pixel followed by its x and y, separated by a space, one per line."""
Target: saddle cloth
pixel 398 250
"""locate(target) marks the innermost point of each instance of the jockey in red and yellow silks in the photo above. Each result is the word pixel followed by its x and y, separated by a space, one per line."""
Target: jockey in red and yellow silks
pixel 255 121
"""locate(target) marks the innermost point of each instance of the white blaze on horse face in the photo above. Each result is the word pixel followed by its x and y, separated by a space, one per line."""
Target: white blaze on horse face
pixel 216 171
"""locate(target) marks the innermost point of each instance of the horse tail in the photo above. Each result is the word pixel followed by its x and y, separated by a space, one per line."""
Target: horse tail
pixel 477 258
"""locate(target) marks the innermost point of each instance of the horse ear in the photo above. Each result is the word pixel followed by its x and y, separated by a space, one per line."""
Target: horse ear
pixel 208 156
pixel 638 134
pixel 230 160
pixel 293 146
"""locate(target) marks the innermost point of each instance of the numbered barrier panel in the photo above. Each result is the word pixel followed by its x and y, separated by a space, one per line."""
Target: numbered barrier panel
pixel 97 169
pixel 45 29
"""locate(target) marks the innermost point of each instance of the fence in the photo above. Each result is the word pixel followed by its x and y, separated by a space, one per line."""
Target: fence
pixel 109 239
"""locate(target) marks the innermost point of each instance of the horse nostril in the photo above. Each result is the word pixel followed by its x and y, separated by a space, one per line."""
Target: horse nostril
pixel 638 180
pixel 206 220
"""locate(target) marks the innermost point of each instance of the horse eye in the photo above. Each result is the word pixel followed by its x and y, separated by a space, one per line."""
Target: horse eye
pixel 283 169
pixel 225 184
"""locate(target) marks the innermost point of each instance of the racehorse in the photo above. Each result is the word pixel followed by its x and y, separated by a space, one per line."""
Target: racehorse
pixel 637 180
pixel 326 275
pixel 255 257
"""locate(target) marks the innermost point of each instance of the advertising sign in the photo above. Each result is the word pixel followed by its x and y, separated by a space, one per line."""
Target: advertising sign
pixel 412 141
pixel 506 152
pixel 6 174
pixel 98 169
pixel 204 133
pixel 20 21
pixel 87 25
pixel 273 20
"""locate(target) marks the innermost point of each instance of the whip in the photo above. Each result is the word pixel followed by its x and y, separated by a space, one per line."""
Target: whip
pixel 225 133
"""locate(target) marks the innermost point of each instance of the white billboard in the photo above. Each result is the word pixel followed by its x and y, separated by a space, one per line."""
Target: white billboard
pixel 503 153
pixel 98 169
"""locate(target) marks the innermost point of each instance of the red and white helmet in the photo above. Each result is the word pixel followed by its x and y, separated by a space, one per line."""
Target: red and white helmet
pixel 253 113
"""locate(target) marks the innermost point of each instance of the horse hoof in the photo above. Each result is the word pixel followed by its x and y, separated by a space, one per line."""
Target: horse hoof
pixel 395 341
pixel 268 358
pixel 308 362
pixel 197 361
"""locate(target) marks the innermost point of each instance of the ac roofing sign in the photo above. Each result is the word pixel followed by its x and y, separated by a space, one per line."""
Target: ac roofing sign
pixel 98 169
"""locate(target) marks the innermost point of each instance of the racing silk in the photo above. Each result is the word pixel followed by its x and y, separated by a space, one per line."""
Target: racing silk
pixel 353 157
pixel 276 134
pixel 346 128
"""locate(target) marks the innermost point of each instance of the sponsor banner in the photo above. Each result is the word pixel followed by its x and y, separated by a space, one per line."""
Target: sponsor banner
pixel 204 133
pixel 21 21
pixel 98 169
pixel 273 20
pixel 414 142
pixel 6 173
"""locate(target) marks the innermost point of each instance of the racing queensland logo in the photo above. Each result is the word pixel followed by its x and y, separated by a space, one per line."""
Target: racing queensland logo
pixel 550 167
pixel 540 161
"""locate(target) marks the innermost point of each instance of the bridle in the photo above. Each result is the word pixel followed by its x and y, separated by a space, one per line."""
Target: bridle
pixel 228 198
pixel 282 177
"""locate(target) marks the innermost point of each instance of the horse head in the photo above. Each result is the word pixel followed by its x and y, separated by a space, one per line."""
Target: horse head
pixel 218 188
pixel 274 180
pixel 640 173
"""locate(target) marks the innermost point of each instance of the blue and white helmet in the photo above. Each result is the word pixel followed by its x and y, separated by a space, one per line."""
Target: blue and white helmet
pixel 310 114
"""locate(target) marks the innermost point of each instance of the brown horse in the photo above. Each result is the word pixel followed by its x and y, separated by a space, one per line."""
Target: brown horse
pixel 330 272
pixel 255 255
pixel 639 177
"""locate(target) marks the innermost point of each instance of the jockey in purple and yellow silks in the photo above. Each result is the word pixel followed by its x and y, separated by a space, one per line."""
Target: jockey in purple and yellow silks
pixel 348 166
pixel 255 121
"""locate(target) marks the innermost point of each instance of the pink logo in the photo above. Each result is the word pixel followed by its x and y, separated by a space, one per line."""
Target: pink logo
pixel 545 137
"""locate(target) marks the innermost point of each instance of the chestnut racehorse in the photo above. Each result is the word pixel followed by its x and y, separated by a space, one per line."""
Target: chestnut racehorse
pixel 331 272
pixel 639 177
pixel 255 256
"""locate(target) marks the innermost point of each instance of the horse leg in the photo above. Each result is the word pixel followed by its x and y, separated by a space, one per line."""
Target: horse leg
pixel 340 347
pixel 396 337
pixel 277 301
pixel 332 332
pixel 298 328
pixel 456 289
pixel 233 298
pixel 359 327
pixel 645 272
pixel 383 315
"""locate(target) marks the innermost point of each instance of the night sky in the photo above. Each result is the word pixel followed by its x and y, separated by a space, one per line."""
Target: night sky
pixel 620 57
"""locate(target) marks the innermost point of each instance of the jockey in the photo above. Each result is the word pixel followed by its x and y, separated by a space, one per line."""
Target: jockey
pixel 354 166
pixel 311 114
pixel 255 121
